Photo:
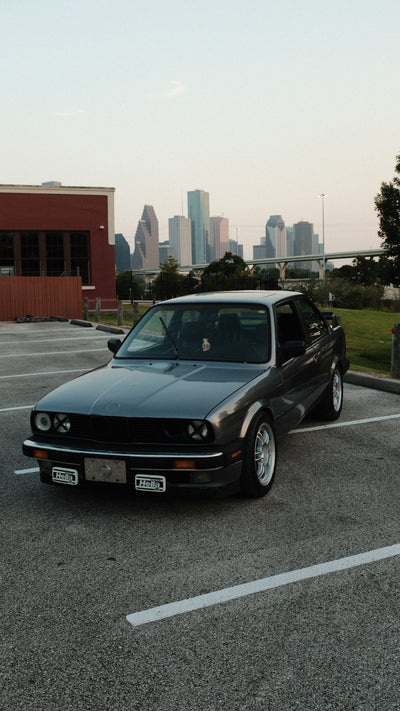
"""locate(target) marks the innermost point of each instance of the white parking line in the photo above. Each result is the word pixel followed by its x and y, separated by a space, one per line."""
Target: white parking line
pixel 255 586
pixel 331 425
pixel 34 470
pixel 34 330
pixel 20 407
pixel 94 337
pixel 48 372
pixel 29 355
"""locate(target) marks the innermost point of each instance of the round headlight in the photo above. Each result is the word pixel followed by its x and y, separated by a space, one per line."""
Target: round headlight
pixel 42 421
pixel 61 423
pixel 198 430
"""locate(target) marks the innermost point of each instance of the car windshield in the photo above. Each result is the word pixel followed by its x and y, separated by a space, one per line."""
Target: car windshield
pixel 207 332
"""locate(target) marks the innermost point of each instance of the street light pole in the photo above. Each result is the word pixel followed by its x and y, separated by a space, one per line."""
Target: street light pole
pixel 323 196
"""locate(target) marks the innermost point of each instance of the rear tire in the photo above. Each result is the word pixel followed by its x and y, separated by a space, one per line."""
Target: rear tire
pixel 330 406
pixel 260 455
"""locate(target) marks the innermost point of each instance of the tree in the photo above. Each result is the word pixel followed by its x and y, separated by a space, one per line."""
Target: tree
pixel 229 265
pixel 387 205
pixel 128 286
pixel 346 272
pixel 366 271
pixel 267 278
pixel 190 283
pixel 169 282
pixel 299 273
pixel 229 272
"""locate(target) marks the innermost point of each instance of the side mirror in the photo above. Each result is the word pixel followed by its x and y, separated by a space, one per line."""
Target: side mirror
pixel 291 349
pixel 332 318
pixel 114 344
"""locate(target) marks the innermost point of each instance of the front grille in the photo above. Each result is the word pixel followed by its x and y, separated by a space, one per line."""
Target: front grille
pixel 127 430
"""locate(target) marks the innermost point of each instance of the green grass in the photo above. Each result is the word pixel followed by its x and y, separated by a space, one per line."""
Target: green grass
pixel 369 339
pixel 368 335
pixel 110 318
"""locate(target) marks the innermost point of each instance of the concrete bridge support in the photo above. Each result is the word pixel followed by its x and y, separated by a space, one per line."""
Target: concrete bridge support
pixel 322 267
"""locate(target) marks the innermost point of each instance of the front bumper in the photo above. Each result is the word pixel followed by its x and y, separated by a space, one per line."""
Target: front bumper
pixel 184 469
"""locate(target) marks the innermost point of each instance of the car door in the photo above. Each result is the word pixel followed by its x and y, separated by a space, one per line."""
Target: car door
pixel 321 342
pixel 298 374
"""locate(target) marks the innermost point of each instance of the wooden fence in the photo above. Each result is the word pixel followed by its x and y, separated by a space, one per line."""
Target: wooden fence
pixel 40 296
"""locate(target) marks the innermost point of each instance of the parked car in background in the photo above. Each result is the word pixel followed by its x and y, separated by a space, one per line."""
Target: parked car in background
pixel 195 396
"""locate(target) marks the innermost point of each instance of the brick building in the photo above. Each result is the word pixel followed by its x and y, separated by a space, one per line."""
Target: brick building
pixel 52 230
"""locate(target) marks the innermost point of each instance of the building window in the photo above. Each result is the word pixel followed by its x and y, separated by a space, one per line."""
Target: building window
pixel 6 253
pixel 55 265
pixel 80 256
pixel 30 261
pixel 53 253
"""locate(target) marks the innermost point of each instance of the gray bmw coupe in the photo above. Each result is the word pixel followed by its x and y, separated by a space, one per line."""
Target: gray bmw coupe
pixel 195 396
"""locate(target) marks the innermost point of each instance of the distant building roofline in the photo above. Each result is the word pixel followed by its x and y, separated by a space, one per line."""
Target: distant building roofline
pixel 53 187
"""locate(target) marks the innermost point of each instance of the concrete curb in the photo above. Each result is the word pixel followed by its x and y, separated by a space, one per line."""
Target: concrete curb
pixel 80 322
pixel 110 329
pixel 99 327
pixel 375 382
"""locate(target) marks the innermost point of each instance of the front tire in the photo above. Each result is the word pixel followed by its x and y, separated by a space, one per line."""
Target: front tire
pixel 260 456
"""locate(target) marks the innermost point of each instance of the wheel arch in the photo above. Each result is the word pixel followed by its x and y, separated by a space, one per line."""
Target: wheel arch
pixel 336 365
pixel 254 410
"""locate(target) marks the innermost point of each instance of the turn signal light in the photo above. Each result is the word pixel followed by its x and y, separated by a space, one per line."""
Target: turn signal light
pixel 236 454
pixel 184 464
pixel 40 454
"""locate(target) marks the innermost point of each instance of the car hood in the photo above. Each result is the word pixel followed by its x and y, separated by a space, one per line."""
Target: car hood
pixel 157 389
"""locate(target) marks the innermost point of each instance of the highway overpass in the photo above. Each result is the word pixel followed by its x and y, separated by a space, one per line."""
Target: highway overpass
pixel 283 262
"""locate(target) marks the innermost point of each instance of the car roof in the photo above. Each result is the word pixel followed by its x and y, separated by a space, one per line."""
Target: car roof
pixel 254 296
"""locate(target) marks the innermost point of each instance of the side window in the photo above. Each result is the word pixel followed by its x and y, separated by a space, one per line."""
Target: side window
pixel 313 321
pixel 288 324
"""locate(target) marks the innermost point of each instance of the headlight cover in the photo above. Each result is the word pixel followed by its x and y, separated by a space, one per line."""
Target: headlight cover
pixel 61 423
pixel 42 421
pixel 199 431
pixel 46 422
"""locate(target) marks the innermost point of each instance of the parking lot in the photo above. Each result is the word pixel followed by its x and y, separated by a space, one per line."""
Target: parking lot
pixel 116 601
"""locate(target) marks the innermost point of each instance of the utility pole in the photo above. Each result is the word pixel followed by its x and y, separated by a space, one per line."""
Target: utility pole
pixel 323 196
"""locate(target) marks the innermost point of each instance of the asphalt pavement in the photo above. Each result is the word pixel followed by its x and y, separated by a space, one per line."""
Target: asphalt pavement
pixel 290 602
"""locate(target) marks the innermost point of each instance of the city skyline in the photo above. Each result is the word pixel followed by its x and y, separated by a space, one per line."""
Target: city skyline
pixel 212 236
pixel 266 106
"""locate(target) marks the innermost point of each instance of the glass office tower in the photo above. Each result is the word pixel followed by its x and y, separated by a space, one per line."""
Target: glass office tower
pixel 199 213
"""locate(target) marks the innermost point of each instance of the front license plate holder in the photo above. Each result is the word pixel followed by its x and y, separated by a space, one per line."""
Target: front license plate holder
pixel 112 471
pixel 150 482
pixel 63 475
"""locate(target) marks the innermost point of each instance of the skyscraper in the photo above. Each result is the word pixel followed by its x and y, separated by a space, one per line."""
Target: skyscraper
pixel 317 249
pixel 303 241
pixel 164 251
pixel 289 241
pixel 275 230
pixel 260 251
pixel 236 248
pixel 199 214
pixel 180 239
pixel 219 237
pixel 122 253
pixel 146 254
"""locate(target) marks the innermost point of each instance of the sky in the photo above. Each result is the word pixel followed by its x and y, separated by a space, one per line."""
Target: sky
pixel 263 104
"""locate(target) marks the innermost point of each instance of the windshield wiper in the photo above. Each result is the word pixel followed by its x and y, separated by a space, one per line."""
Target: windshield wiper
pixel 170 337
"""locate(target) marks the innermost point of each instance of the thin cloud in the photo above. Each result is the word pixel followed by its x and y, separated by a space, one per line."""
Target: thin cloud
pixel 175 88
pixel 70 112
